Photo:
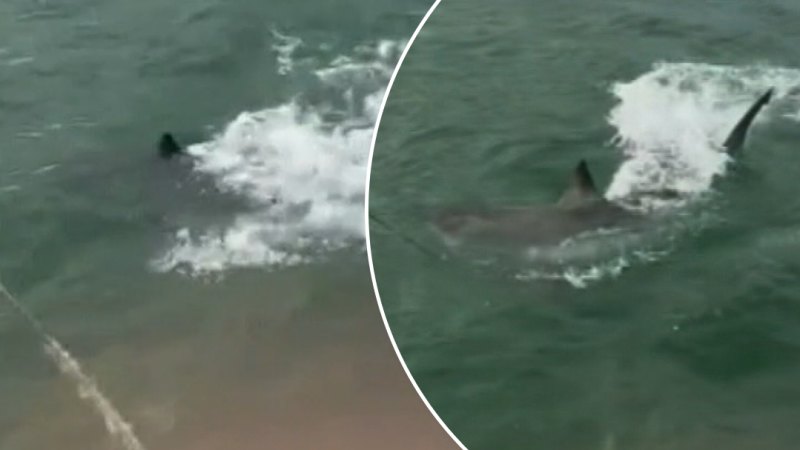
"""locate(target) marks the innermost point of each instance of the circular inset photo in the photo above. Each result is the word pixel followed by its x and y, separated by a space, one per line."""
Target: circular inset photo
pixel 584 223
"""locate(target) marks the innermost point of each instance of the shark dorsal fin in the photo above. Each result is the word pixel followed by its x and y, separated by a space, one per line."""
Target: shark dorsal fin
pixel 168 146
pixel 735 140
pixel 581 189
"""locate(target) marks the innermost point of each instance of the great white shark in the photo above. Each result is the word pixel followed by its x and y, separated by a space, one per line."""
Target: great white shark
pixel 581 209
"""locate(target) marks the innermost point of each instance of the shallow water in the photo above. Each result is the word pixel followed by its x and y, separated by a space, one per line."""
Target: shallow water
pixel 683 341
pixel 208 316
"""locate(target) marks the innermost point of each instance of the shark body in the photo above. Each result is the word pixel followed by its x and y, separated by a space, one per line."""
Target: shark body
pixel 581 209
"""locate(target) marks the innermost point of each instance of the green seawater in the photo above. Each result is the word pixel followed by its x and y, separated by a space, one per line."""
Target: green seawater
pixel 687 339
pixel 204 330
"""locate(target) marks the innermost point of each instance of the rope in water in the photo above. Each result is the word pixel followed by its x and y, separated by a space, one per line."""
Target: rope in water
pixel 416 244
pixel 88 390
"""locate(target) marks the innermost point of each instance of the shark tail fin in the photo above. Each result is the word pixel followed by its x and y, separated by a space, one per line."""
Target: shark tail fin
pixel 581 189
pixel 735 140
pixel 168 146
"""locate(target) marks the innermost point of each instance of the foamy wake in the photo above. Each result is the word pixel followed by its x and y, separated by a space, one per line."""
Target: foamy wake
pixel 301 164
pixel 670 123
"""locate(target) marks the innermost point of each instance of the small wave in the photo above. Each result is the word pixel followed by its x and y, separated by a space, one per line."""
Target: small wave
pixel 582 276
pixel 45 169
pixel 595 256
pixel 19 61
pixel 579 277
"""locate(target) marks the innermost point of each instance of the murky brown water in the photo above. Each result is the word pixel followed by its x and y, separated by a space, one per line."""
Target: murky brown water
pixel 295 360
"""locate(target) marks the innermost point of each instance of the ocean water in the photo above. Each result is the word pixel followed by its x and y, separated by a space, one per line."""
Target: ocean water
pixel 219 300
pixel 684 337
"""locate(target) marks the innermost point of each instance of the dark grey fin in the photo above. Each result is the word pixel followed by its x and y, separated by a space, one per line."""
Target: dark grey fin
pixel 168 146
pixel 736 138
pixel 581 189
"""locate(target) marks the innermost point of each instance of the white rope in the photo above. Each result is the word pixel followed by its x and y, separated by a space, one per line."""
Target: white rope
pixel 88 390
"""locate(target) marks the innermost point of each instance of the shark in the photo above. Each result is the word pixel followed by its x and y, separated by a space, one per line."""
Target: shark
pixel 581 208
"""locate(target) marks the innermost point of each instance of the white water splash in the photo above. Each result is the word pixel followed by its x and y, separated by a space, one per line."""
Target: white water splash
pixel 582 276
pixel 671 122
pixel 579 277
pixel 591 257
pixel 303 171
pixel 285 47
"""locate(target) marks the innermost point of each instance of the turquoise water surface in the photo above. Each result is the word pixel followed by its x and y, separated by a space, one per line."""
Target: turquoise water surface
pixel 686 337
pixel 210 315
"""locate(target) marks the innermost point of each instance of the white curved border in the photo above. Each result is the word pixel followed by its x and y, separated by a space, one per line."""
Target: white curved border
pixel 366 226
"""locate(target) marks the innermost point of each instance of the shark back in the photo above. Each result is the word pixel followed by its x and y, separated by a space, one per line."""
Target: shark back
pixel 580 209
